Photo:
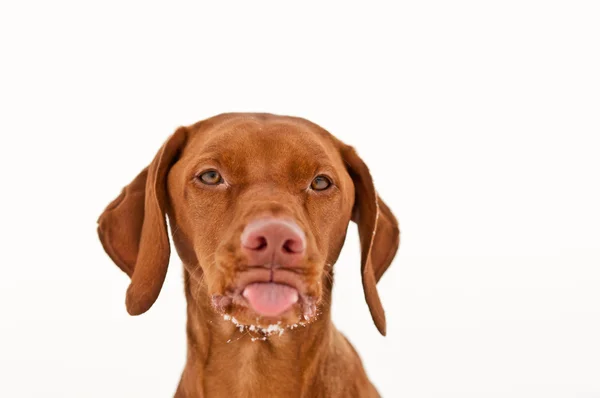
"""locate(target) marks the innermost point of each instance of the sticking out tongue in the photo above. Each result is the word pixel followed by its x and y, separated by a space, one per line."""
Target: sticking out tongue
pixel 270 299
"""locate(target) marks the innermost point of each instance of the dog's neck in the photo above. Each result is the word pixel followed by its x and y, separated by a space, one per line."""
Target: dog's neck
pixel 225 360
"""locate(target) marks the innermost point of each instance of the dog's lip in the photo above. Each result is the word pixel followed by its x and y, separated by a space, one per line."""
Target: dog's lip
pixel 281 276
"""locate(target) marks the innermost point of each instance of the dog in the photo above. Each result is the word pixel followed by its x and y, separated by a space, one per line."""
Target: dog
pixel 258 206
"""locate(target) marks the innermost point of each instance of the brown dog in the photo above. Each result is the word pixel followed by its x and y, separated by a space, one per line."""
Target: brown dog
pixel 258 206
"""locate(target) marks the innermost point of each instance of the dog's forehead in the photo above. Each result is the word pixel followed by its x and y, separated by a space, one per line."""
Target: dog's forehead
pixel 259 140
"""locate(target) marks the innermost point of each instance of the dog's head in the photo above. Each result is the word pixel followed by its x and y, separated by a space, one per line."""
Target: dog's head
pixel 258 207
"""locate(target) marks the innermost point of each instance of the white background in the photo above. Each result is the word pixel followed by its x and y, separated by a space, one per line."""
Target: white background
pixel 479 121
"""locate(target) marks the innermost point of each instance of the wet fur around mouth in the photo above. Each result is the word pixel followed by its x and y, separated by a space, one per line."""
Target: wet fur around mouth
pixel 233 305
pixel 227 299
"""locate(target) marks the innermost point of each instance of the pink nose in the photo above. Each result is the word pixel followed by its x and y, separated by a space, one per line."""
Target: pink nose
pixel 273 242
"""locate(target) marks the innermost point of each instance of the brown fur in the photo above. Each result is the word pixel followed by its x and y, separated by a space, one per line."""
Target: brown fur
pixel 268 162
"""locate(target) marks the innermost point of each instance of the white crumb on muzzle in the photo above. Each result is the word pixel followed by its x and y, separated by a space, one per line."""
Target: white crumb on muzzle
pixel 264 331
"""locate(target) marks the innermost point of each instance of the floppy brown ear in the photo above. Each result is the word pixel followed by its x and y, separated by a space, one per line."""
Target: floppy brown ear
pixel 133 228
pixel 378 231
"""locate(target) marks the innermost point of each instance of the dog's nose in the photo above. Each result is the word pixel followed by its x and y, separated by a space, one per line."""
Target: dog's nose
pixel 273 242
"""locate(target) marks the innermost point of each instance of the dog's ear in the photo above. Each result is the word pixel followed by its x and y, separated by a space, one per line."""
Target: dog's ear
pixel 133 228
pixel 378 231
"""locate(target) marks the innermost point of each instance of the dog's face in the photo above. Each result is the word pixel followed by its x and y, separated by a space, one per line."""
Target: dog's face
pixel 264 204
pixel 259 206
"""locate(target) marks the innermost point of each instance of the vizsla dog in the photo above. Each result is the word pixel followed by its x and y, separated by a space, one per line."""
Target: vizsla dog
pixel 258 206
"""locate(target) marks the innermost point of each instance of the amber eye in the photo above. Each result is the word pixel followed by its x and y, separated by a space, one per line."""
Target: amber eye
pixel 211 177
pixel 320 183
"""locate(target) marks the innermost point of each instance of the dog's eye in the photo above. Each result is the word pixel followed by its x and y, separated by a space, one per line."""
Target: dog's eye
pixel 320 183
pixel 211 177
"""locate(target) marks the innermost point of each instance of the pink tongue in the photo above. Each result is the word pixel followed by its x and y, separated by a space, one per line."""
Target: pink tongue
pixel 270 299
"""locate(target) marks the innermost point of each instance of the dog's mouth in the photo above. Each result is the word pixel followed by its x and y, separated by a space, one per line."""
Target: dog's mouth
pixel 262 298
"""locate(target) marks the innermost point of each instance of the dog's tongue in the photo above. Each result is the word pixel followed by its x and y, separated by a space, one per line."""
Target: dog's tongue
pixel 270 299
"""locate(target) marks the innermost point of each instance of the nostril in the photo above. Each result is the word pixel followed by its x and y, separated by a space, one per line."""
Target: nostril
pixel 292 246
pixel 262 243
pixel 256 243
